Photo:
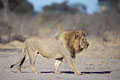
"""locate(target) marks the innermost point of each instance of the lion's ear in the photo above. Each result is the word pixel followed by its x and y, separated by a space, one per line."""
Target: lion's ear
pixel 83 33
pixel 76 36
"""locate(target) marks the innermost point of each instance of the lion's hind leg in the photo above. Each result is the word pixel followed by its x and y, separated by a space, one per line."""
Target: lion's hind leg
pixel 24 59
pixel 32 56
pixel 34 69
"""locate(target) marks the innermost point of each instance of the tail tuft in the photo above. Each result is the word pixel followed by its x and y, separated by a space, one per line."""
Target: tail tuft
pixel 11 66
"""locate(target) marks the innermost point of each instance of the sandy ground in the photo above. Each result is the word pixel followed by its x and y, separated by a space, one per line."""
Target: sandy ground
pixel 93 68
pixel 101 61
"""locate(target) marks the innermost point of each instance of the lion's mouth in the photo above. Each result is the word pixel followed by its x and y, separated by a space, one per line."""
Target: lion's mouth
pixel 80 48
pixel 87 45
pixel 83 47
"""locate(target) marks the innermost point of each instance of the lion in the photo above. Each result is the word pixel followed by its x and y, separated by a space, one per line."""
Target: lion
pixel 64 46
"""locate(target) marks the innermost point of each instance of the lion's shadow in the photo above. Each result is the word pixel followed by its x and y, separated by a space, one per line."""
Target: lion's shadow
pixel 71 72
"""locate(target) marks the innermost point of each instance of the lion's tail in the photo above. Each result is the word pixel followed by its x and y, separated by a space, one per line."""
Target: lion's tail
pixel 22 59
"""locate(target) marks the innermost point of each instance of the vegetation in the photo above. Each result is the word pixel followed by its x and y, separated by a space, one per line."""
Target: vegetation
pixel 50 21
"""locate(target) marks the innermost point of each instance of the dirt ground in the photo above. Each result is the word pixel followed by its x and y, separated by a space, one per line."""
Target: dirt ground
pixel 99 62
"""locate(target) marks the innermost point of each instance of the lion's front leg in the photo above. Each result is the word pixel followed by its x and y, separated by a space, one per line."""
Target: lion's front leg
pixel 57 64
pixel 72 65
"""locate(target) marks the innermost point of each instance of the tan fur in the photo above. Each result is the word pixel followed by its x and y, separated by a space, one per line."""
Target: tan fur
pixel 65 45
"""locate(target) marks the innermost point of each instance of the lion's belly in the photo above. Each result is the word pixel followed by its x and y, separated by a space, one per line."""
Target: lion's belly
pixel 50 49
pixel 50 53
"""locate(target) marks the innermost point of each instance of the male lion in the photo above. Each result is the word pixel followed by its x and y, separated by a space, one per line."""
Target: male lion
pixel 65 45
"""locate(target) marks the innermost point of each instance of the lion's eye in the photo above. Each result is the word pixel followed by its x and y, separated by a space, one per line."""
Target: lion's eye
pixel 76 36
pixel 82 39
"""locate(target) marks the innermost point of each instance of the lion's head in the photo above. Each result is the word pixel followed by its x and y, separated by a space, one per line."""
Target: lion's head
pixel 79 41
pixel 75 41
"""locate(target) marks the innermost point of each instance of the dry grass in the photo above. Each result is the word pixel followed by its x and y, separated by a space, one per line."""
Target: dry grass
pixel 102 29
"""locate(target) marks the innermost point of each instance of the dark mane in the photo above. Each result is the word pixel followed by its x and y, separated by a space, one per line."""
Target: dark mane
pixel 70 38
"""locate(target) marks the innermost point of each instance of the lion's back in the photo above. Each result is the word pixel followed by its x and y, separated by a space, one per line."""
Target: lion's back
pixel 44 44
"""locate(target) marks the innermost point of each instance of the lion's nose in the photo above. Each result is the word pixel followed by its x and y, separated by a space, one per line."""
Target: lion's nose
pixel 87 44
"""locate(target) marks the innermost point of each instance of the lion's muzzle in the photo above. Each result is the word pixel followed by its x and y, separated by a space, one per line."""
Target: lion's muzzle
pixel 87 45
